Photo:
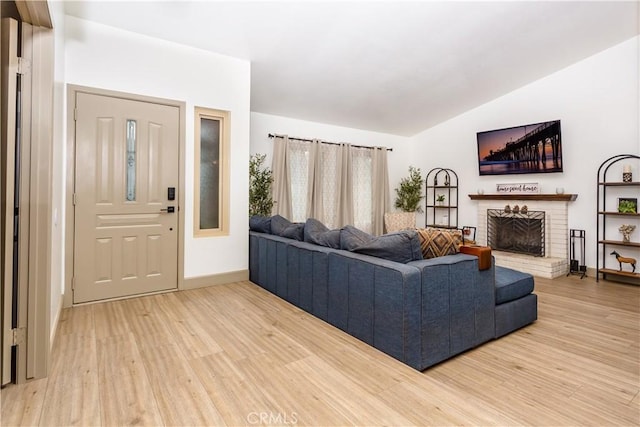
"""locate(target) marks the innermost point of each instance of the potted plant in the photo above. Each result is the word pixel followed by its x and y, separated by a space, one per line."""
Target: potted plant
pixel 440 199
pixel 627 205
pixel 408 197
pixel 409 193
pixel 260 179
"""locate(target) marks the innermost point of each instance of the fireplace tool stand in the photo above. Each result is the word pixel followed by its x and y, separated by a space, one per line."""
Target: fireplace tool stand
pixel 577 237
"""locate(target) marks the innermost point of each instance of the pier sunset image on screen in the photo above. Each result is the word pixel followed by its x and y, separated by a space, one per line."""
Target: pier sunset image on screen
pixel 534 148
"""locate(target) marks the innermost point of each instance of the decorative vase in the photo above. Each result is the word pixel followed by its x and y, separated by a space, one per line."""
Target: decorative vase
pixel 626 230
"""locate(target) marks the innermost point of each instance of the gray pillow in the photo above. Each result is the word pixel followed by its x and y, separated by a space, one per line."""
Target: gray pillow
pixel 401 246
pixel 317 233
pixel 278 224
pixel 281 226
pixel 352 237
pixel 294 231
pixel 261 224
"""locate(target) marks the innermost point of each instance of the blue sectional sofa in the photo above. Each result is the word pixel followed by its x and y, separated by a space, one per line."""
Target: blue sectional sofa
pixel 421 312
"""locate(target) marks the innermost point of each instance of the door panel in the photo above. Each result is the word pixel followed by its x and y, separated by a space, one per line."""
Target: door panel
pixel 126 158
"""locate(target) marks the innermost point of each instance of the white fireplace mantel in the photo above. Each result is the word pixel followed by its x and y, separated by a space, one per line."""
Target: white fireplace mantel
pixel 527 197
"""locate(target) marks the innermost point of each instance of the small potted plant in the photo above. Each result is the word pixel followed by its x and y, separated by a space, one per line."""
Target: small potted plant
pixel 627 205
pixel 440 199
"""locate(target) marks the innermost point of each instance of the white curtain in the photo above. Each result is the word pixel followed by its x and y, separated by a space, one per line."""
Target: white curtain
pixel 281 188
pixel 380 202
pixel 335 183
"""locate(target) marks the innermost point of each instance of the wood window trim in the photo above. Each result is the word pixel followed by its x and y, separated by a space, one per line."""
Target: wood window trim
pixel 223 206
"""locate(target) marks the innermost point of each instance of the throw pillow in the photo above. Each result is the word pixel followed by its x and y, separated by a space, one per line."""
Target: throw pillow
pixel 401 246
pixel 435 242
pixel 278 224
pixel 281 226
pixel 317 233
pixel 261 224
pixel 352 237
pixel 294 231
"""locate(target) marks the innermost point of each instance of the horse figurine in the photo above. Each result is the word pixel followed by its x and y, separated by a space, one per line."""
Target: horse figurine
pixel 626 260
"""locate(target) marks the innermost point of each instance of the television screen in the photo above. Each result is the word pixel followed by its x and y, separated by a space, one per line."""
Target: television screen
pixel 534 148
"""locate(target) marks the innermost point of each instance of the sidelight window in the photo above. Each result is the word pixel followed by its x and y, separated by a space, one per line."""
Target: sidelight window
pixel 212 172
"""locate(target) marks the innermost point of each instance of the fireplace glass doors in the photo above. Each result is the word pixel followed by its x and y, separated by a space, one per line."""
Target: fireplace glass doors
pixel 516 232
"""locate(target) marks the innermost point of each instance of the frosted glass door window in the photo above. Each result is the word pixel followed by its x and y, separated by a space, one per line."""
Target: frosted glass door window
pixel 131 160
pixel 209 173
pixel 211 149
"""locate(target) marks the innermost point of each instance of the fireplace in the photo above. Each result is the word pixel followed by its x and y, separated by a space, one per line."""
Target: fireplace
pixel 521 233
pixel 553 258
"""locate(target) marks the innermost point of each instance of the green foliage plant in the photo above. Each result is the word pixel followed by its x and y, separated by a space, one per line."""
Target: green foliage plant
pixel 627 206
pixel 409 193
pixel 260 180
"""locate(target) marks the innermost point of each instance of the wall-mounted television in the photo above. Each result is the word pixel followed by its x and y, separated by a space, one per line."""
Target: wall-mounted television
pixel 534 148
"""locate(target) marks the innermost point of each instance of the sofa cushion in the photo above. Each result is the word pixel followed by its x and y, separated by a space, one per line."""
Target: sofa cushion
pixel 260 224
pixel 436 242
pixel 281 226
pixel 294 231
pixel 317 233
pixel 352 237
pixel 401 246
pixel 278 224
pixel 512 284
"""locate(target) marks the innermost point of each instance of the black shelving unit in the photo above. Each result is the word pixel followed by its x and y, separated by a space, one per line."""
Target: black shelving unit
pixel 442 181
pixel 607 214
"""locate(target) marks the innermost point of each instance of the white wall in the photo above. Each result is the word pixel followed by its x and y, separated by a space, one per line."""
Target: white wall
pixel 597 101
pixel 264 124
pixel 109 58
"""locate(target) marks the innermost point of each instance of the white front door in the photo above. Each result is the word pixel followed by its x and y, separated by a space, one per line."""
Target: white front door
pixel 126 225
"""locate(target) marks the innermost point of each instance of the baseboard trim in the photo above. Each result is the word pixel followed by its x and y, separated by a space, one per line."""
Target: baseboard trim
pixel 56 320
pixel 215 279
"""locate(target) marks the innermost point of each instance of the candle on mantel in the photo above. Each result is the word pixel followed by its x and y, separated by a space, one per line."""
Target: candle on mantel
pixel 626 169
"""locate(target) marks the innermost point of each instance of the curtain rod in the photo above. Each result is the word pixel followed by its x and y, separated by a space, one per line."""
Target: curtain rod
pixel 271 135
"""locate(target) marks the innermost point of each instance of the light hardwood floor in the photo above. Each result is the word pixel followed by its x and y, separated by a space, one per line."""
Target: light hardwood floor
pixel 237 355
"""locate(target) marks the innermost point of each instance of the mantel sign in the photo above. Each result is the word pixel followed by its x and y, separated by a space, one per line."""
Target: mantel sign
pixel 518 188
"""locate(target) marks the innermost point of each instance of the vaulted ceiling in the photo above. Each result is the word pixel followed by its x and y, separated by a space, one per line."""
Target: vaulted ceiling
pixel 396 67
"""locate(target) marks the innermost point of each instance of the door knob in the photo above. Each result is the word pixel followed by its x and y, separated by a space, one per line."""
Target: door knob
pixel 169 209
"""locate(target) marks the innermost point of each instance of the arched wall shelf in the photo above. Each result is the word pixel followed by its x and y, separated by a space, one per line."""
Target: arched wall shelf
pixel 609 217
pixel 443 214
